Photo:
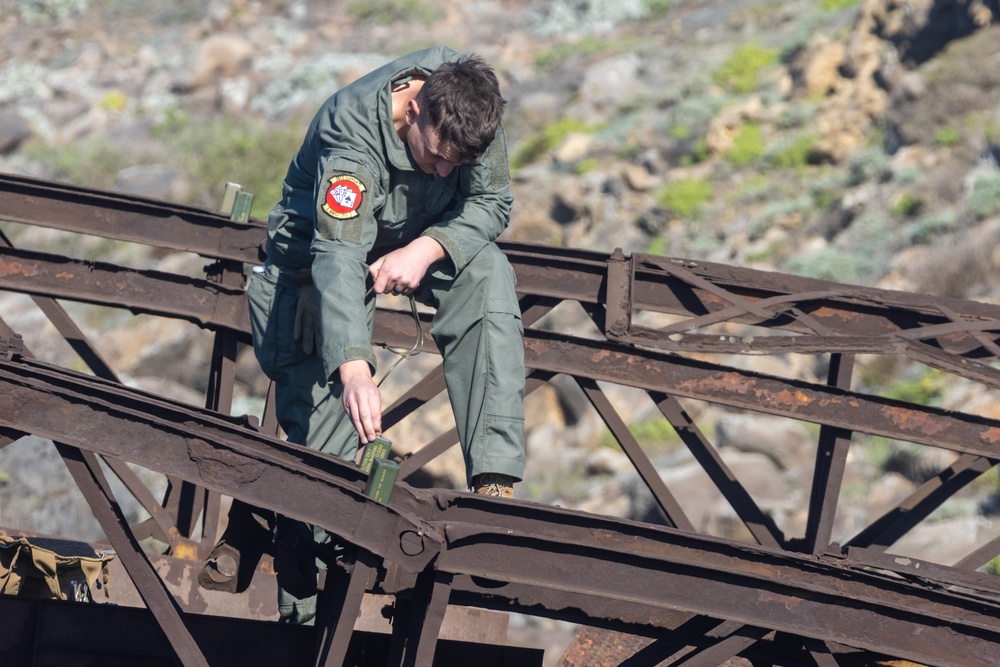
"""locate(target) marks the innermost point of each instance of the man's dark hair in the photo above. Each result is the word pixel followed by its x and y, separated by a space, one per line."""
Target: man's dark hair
pixel 463 103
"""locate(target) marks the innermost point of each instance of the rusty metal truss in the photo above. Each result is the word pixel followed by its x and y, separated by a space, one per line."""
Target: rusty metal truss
pixel 691 599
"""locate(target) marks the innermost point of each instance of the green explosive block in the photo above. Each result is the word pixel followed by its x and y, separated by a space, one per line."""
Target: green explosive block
pixel 376 449
pixel 381 479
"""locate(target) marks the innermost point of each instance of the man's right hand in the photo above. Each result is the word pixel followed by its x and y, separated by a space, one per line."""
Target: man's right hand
pixel 362 399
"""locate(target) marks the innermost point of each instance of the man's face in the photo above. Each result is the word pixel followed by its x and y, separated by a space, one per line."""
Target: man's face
pixel 426 147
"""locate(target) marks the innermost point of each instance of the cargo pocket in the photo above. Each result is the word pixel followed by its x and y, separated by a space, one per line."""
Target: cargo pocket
pixel 505 345
pixel 272 304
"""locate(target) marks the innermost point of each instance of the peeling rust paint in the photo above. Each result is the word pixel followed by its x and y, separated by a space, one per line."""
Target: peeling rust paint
pixel 788 400
pixel 990 436
pixel 721 382
pixel 17 269
pixel 770 597
pixel 218 465
pixel 912 420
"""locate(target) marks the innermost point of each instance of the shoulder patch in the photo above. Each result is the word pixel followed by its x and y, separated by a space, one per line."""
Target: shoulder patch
pixel 343 197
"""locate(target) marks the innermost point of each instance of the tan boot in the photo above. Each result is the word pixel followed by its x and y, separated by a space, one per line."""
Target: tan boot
pixel 494 484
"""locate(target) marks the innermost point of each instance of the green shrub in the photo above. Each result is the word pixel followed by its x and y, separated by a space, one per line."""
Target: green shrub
pixel 657 8
pixel 699 154
pixel 947 136
pixel 932 224
pixel 779 210
pixel 684 197
pixel 924 390
pixel 798 113
pixel 908 175
pixel 93 163
pixel 828 264
pixel 680 131
pixel 837 5
pixel 115 100
pixel 557 55
pixel 37 11
pixel 763 254
pixel 386 12
pixel 748 145
pixel 757 188
pixel 740 71
pixel 871 241
pixel 988 482
pixel 537 145
pixel 824 199
pixel 984 199
pixel 797 153
pixel 908 205
pixel 658 246
pixel 867 164
pixel 655 436
pixel 218 150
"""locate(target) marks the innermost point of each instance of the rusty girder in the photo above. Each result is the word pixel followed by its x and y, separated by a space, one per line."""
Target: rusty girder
pixel 782 601
pixel 552 559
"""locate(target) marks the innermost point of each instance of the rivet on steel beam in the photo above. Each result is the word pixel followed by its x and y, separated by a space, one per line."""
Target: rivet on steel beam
pixel 411 542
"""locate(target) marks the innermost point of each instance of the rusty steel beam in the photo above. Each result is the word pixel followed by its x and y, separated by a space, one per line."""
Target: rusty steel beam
pixel 887 529
pixel 86 472
pixel 639 368
pixel 650 476
pixel 128 218
pixel 760 525
pixel 68 329
pixel 831 464
pixel 855 316
pixel 396 329
pixel 680 376
pixel 165 529
pixel 206 454
pixel 856 608
pixel 153 292
pixel 205 449
pixel 762 588
pixel 801 400
pixel 53 632
pixel 867 305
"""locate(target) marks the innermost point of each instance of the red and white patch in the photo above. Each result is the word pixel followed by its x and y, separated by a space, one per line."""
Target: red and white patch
pixel 343 197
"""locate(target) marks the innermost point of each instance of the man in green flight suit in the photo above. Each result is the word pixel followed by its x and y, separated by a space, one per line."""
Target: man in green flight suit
pixel 401 186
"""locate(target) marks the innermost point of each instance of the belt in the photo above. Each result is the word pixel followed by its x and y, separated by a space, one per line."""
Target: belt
pixel 290 276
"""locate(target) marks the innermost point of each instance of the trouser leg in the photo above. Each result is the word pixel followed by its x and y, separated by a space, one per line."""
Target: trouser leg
pixel 311 412
pixel 477 326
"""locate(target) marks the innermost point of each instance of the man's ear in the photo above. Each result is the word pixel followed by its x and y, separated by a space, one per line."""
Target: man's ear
pixel 412 112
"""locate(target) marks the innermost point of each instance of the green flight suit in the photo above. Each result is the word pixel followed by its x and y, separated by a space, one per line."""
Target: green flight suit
pixel 352 191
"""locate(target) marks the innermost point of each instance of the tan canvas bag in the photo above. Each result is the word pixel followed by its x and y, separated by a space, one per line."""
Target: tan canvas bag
pixel 51 568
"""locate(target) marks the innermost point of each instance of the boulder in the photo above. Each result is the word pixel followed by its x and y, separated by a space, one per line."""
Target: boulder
pixel 14 131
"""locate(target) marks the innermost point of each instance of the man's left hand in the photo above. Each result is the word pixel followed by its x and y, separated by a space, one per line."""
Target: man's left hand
pixel 402 270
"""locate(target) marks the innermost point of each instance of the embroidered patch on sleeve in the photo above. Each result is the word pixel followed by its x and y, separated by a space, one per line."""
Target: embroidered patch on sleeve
pixel 343 197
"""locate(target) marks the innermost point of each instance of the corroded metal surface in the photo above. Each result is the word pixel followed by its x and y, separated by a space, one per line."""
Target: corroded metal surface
pixel 687 598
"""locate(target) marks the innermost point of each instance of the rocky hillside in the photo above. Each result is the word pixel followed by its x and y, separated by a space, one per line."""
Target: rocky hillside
pixel 843 139
pixel 850 140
